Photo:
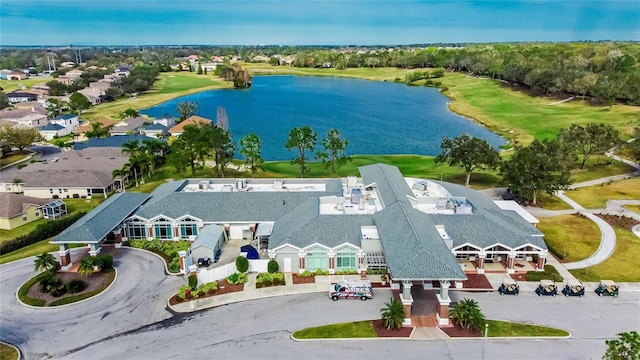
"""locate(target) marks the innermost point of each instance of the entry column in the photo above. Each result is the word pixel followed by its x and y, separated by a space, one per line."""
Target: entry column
pixel 407 300
pixel 443 303
pixel 65 257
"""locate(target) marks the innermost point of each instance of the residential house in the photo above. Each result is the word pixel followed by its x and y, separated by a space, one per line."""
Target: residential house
pixel 122 70
pixel 52 131
pixel 24 117
pixel 101 86
pixel 87 126
pixel 74 74
pixel 4 74
pixel 177 129
pixel 155 130
pixel 92 94
pixel 421 231
pixel 17 210
pixel 68 64
pixel 168 121
pixel 69 121
pixel 110 142
pixel 209 66
pixel 129 126
pixel 17 75
pixel 77 173
pixel 21 96
pixel 261 58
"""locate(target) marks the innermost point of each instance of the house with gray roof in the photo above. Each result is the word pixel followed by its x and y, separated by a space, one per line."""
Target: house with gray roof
pixel 419 230
pixel 129 126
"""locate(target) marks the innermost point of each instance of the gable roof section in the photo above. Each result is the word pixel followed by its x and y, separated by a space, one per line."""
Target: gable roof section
pixel 129 124
pixel 97 224
pixel 194 120
pixel 392 187
pixel 12 205
pixel 413 247
pixel 208 237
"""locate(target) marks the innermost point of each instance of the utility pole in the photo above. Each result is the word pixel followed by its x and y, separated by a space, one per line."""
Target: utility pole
pixel 484 344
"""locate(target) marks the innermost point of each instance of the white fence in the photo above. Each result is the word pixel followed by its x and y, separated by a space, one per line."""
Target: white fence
pixel 219 273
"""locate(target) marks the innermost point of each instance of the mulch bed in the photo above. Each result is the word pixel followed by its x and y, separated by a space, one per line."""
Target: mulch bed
pixel 94 282
pixel 457 331
pixel 303 279
pixel 619 221
pixel 223 288
pixel 382 331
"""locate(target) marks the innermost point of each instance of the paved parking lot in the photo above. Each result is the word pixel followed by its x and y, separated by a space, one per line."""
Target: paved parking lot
pixel 130 321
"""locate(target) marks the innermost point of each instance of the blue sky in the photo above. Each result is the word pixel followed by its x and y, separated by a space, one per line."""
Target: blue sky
pixel 310 22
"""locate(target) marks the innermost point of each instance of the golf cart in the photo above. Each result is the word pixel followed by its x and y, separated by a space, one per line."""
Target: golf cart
pixel 509 287
pixel 547 287
pixel 573 288
pixel 607 287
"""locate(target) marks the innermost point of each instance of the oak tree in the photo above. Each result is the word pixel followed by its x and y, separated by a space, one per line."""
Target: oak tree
pixel 469 153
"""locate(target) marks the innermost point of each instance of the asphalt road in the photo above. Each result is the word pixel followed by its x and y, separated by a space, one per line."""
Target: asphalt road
pixel 131 321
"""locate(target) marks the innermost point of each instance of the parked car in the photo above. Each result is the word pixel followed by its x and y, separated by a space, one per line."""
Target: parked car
pixel 547 287
pixel 573 288
pixel 509 287
pixel 204 262
pixel 607 287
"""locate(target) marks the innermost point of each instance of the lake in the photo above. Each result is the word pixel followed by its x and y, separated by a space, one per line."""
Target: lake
pixel 376 117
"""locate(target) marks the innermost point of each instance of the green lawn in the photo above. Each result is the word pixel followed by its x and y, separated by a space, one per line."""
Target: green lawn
pixel 618 267
pixel 13 85
pixel 168 86
pixel 13 157
pixel 8 352
pixel 595 197
pixel 570 237
pixel 499 328
pixel 551 202
pixel 19 231
pixel 549 273
pixel 634 208
pixel 596 170
pixel 358 329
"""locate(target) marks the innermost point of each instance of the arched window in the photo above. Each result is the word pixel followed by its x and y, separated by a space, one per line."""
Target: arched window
pixel 317 259
pixel 188 227
pixel 162 229
pixel 346 259
pixel 136 229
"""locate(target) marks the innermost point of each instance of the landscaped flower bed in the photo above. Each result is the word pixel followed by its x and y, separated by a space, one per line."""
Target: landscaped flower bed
pixel 268 279
pixel 168 250
pixel 619 221
pixel 233 283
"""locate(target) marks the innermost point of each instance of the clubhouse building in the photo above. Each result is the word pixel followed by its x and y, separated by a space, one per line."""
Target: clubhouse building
pixel 421 231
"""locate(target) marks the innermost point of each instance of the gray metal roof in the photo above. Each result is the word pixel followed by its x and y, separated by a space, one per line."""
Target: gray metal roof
pixel 97 224
pixel 413 247
pixel 304 226
pixel 208 237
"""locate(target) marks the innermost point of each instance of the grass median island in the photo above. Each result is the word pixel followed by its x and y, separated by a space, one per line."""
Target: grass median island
pixel 570 237
pixel 357 329
pixel 8 352
pixel 498 328
pixel 620 266
pixel 634 208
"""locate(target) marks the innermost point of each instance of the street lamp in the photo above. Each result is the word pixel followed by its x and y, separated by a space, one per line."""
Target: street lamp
pixel 484 344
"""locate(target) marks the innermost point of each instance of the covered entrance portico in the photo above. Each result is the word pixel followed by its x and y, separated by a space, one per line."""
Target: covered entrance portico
pixel 408 297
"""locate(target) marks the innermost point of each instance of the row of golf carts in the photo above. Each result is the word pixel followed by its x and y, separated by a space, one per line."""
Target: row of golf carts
pixel 549 287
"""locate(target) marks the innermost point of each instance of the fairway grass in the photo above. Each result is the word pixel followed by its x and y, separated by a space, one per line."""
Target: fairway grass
pixel 595 197
pixel 618 267
pixel 570 237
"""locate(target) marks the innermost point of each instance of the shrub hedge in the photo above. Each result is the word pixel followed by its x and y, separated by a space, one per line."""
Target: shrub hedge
pixel 272 266
pixel 242 264
pixel 193 281
pixel 41 232
pixel 168 250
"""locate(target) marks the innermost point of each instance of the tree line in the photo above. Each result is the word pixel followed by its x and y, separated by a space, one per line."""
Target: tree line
pixel 542 166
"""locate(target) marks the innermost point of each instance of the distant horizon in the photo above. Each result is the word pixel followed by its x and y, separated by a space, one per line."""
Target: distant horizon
pixel 56 23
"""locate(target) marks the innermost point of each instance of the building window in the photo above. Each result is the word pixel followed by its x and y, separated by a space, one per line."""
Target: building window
pixel 9 187
pixel 66 190
pixel 136 229
pixel 24 217
pixel 317 259
pixel 188 229
pixel 162 229
pixel 59 191
pixel 50 191
pixel 38 213
pixel 346 259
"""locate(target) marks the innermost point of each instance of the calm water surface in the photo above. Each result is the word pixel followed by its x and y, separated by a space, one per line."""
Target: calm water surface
pixel 376 117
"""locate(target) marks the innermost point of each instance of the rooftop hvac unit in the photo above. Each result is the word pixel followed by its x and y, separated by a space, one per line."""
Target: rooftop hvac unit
pixel 278 184
pixel 356 195
pixel 352 181
pixel 203 184
pixel 241 184
pixel 226 188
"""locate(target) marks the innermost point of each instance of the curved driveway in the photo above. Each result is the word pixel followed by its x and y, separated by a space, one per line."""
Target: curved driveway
pixel 130 321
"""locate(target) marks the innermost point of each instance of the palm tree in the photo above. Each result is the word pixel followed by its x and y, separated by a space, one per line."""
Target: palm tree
pixel 122 174
pixel 16 183
pixel 467 314
pixel 45 262
pixel 393 314
pixel 86 266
